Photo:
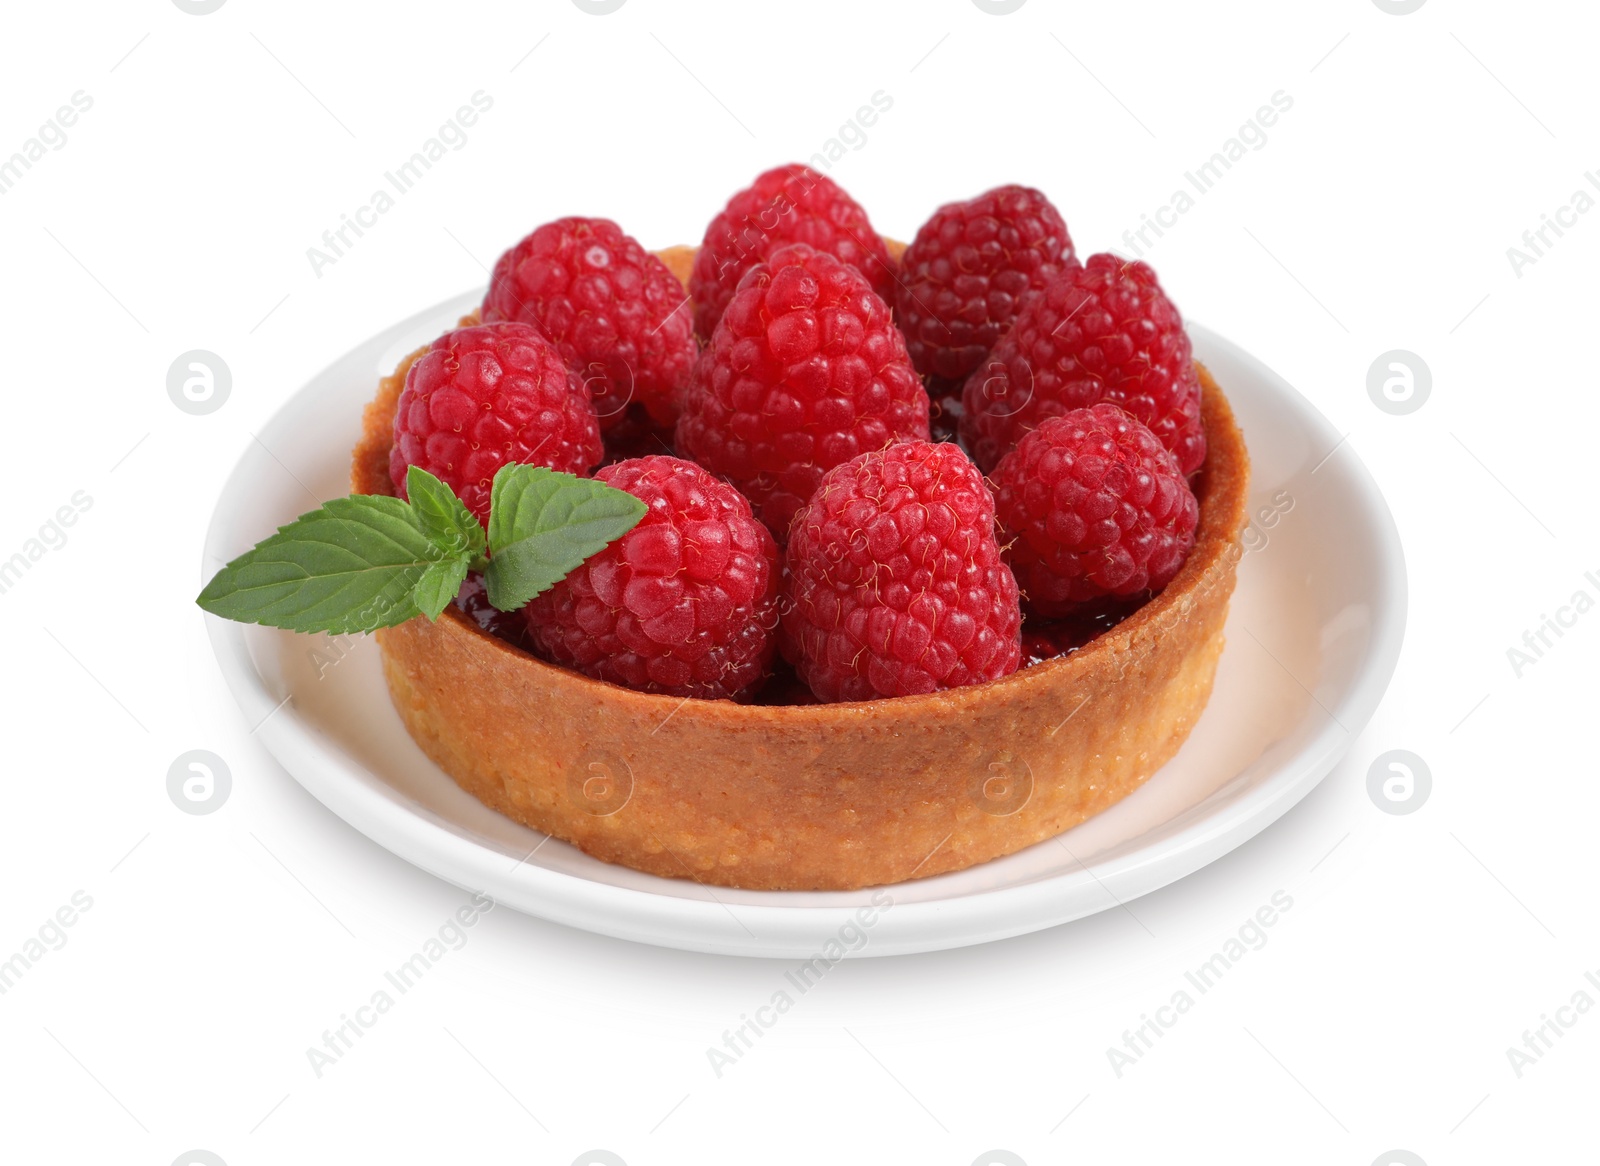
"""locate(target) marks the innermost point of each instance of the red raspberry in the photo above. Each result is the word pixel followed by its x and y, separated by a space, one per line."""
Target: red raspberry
pixel 805 370
pixel 618 317
pixel 1101 332
pixel 791 204
pixel 967 272
pixel 1095 507
pixel 896 584
pixel 487 395
pixel 685 603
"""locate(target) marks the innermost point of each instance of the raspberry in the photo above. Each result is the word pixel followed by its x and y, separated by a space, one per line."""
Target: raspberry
pixel 968 271
pixel 1096 507
pixel 805 370
pixel 685 603
pixel 1101 332
pixel 484 396
pixel 896 584
pixel 618 317
pixel 790 204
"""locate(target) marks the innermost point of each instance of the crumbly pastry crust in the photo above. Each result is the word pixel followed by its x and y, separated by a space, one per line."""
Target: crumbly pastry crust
pixel 820 797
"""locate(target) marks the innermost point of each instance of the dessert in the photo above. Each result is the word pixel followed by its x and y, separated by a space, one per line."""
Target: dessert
pixel 634 664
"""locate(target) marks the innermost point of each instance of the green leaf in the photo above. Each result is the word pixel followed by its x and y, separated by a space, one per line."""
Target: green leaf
pixel 351 566
pixel 439 583
pixel 444 518
pixel 543 524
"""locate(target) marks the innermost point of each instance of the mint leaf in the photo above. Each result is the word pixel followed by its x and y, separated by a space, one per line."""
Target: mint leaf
pixel 444 518
pixel 439 584
pixel 543 524
pixel 353 565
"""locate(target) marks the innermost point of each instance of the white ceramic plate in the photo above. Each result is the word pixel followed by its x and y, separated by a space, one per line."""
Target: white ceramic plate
pixel 1313 635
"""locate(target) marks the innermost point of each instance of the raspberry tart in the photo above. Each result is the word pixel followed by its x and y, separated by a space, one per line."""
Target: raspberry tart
pixel 668 558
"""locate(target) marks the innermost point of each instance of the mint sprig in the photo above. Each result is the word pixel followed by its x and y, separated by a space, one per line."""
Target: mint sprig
pixel 369 561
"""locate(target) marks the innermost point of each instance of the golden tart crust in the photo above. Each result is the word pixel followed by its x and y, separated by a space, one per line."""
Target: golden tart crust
pixel 820 797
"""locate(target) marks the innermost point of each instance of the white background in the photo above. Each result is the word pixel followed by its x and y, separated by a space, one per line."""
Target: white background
pixel 1377 216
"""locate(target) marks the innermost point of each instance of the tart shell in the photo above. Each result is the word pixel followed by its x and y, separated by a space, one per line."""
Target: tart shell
pixel 820 797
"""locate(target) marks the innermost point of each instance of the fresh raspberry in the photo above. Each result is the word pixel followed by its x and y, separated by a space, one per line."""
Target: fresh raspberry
pixel 805 370
pixel 790 204
pixel 685 603
pixel 896 585
pixel 618 317
pixel 968 271
pixel 1101 332
pixel 487 395
pixel 1095 507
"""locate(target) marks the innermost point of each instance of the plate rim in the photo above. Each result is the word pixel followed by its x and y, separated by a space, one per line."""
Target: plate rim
pixel 774 929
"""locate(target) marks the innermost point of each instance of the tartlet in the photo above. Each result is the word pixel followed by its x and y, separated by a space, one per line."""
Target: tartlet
pixel 820 797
